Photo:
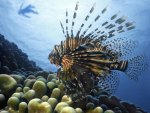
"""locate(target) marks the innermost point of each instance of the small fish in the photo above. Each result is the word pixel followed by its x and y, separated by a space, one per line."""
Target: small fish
pixel 90 58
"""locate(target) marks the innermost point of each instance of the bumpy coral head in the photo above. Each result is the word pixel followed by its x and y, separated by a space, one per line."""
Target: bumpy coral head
pixel 54 58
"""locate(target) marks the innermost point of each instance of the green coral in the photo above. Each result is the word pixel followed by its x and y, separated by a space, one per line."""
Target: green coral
pixel 60 106
pixel 68 110
pixel 51 85
pixel 67 99
pixel 41 79
pixel 56 93
pixel 26 89
pixel 18 95
pixel 40 89
pixel 29 95
pixel 4 111
pixel 50 77
pixel 109 111
pixel 19 79
pixel 37 106
pixel 95 110
pixel 53 102
pixel 13 103
pixel 79 110
pixel 23 107
pixel 7 83
pixel 42 96
pixel 29 82
pixel 19 89
pixel 45 98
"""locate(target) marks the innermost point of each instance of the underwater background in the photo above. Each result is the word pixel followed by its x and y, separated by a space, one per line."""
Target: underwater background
pixel 34 26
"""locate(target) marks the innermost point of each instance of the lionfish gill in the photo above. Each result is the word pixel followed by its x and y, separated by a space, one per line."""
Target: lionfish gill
pixel 91 59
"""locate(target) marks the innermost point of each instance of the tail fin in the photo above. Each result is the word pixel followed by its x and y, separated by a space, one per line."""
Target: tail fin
pixel 136 65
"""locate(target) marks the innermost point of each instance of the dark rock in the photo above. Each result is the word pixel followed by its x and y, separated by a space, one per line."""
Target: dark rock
pixel 19 85
pixel 92 99
pixel 31 77
pixel 90 106
pixel 116 109
pixel 139 110
pixel 104 107
pixel 29 73
pixel 103 99
pixel 12 58
pixel 130 107
pixel 111 102
pixel 119 111
pixel 42 73
pixel 0 64
pixel 5 70
pixel 16 72
pixel 2 101
pixel 114 98
pixel 13 66
pixel 29 82
pixel 19 79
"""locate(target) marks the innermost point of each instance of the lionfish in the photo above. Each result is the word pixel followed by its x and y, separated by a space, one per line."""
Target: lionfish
pixel 91 59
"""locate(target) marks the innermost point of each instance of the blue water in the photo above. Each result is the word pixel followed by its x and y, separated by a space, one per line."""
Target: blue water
pixel 34 26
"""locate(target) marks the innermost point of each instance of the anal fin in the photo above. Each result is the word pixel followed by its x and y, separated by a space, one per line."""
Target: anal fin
pixel 109 83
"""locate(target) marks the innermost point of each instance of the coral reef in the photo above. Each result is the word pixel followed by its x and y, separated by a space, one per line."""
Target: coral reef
pixel 13 60
pixel 7 83
pixel 46 94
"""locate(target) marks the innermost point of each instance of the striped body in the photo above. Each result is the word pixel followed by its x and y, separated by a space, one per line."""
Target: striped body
pixel 84 53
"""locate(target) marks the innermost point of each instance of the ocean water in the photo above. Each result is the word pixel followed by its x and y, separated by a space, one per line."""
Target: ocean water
pixel 34 26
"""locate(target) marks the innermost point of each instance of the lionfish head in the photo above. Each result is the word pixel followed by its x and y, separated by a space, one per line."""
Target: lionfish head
pixel 54 58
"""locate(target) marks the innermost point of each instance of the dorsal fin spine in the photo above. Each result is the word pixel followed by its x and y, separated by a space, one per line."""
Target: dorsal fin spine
pixel 86 19
pixel 67 23
pixel 74 16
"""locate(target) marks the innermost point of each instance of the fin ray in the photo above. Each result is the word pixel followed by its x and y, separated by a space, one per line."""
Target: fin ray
pixel 110 82
pixel 135 67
